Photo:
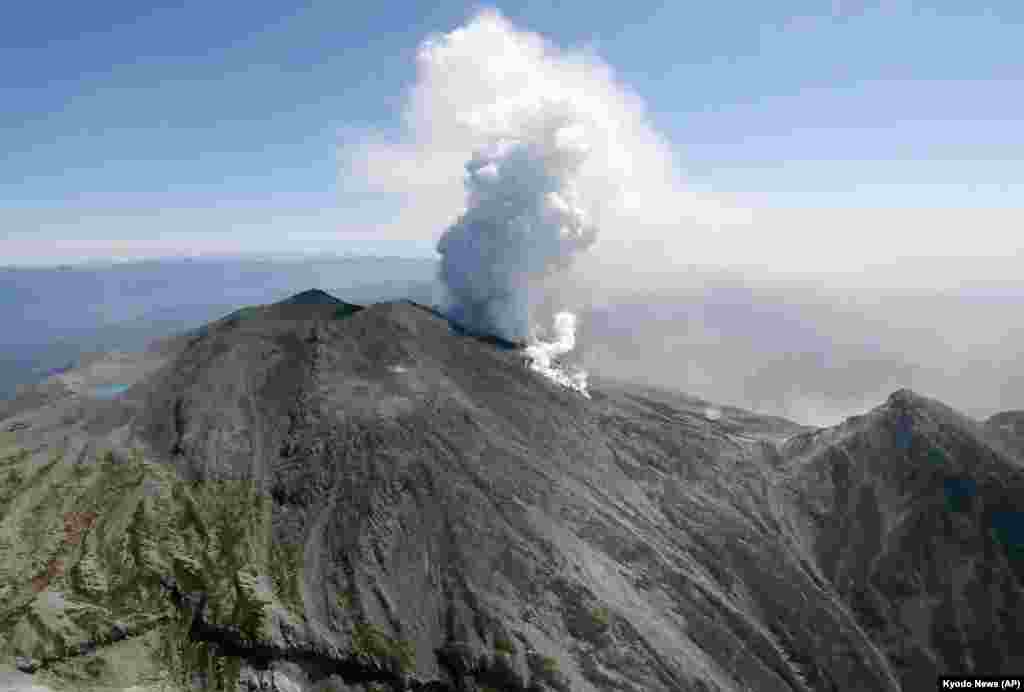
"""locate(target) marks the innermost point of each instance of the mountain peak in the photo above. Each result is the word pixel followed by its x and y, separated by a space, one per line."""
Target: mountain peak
pixel 313 296
pixel 905 397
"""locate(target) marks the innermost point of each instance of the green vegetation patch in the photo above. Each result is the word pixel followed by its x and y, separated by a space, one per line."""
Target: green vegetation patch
pixel 601 617
pixel 173 658
pixel 937 457
pixel 346 310
pixel 548 665
pixel 345 599
pixel 80 674
pixel 368 640
pixel 15 477
pixel 285 569
pixel 545 669
pixel 503 645
pixel 17 456
pixel 84 546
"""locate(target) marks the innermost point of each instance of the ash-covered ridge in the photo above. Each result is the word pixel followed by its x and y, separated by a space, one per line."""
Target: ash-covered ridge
pixel 331 497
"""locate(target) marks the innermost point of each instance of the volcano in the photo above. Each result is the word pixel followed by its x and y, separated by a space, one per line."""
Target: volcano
pixel 314 495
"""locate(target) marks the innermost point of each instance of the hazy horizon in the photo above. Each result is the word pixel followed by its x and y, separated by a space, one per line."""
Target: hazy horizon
pixel 786 348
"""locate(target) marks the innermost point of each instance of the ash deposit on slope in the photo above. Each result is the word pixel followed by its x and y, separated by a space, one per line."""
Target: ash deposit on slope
pixel 336 498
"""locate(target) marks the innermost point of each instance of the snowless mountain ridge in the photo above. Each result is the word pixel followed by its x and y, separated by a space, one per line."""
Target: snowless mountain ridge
pixel 313 495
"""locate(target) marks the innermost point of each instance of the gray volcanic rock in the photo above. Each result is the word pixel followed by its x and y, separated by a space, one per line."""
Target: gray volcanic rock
pixel 1008 428
pixel 330 497
pixel 915 520
pixel 462 500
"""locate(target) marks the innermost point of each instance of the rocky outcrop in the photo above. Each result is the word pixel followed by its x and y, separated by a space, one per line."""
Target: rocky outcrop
pixel 1008 429
pixel 916 521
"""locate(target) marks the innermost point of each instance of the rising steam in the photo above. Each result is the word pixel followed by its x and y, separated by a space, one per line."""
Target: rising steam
pixel 521 151
pixel 534 125
pixel 523 222
pixel 544 355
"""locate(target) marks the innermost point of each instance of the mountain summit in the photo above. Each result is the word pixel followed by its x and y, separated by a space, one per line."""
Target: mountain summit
pixel 313 296
pixel 312 495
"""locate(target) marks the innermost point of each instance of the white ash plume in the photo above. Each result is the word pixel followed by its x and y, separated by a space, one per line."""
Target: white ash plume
pixel 522 108
pixel 523 222
pixel 497 119
pixel 549 140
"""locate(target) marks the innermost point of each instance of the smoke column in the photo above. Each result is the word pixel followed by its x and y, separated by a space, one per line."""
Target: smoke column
pixel 524 219
pixel 523 222
pixel 534 130
pixel 520 151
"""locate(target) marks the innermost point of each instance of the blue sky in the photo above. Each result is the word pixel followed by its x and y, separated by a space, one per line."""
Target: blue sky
pixel 127 126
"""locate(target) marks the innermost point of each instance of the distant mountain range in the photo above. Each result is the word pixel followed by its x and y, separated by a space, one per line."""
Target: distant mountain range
pixel 311 495
pixel 797 350
pixel 53 316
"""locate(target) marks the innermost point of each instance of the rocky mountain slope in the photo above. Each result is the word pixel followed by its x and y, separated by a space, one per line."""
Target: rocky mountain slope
pixel 1008 428
pixel 314 496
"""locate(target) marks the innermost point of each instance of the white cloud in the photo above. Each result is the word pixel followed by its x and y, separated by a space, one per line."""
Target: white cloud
pixel 651 220
pixel 630 181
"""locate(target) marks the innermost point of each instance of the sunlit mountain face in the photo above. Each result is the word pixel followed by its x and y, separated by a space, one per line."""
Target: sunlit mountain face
pixel 331 496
